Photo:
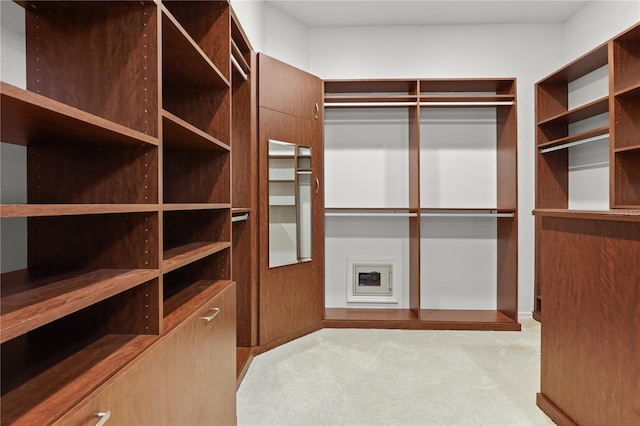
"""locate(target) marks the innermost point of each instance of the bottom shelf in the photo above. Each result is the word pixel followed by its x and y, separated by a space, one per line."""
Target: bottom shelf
pixel 71 377
pixel 430 319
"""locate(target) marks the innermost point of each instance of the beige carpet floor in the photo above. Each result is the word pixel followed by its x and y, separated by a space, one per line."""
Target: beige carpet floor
pixel 397 377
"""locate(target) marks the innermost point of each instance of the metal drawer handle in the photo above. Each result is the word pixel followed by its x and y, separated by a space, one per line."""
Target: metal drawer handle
pixel 216 312
pixel 104 417
pixel 317 110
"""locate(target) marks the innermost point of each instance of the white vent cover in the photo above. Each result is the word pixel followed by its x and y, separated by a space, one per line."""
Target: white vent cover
pixel 370 282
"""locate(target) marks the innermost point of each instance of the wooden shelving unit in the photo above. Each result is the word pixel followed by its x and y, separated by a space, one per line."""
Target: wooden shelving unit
pixel 586 260
pixel 244 194
pixel 418 98
pixel 126 123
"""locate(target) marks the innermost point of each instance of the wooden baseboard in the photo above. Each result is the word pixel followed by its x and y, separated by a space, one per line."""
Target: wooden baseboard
pixel 551 410
pixel 257 350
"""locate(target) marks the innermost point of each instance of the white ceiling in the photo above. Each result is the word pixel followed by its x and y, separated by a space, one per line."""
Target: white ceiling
pixel 331 13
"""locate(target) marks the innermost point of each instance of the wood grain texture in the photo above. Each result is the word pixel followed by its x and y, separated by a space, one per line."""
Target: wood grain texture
pixel 120 241
pixel 385 87
pixel 429 319
pixel 626 121
pixel 42 399
pixel 590 61
pixel 590 273
pixel 180 134
pixel 244 357
pixel 291 297
pixel 48 300
pixel 507 267
pixel 552 180
pixel 627 179
pixel 550 409
pixel 92 174
pixel 188 253
pixel 60 66
pixel 286 89
pixel 196 176
pixel 507 157
pixel 30 118
pixel 185 227
pixel 207 23
pixel 34 210
pixel 626 59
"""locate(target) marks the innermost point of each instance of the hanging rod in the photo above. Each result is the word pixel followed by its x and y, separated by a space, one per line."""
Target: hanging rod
pixel 369 214
pixel 236 64
pixel 368 104
pixel 477 103
pixel 487 214
pixel 240 217
pixel 303 172
pixel 570 144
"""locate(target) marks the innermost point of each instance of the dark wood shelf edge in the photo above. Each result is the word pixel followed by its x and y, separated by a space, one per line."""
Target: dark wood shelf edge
pixel 590 61
pixel 39 210
pixel 51 113
pixel 406 319
pixel 627 149
pixel 240 210
pixel 630 91
pixel 81 372
pixel 173 207
pixel 183 255
pixel 574 138
pixel 87 287
pixel 177 128
pixel 591 109
pixel 551 410
pixel 187 37
pixel 611 215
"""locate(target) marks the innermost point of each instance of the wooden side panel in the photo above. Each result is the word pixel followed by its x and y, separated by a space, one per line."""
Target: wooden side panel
pixel 291 297
pixel 507 157
pixel 60 66
pixel 552 184
pixel 507 268
pixel 287 89
pixel 590 273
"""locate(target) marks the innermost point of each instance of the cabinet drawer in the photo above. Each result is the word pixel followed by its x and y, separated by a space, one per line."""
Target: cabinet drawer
pixel 188 377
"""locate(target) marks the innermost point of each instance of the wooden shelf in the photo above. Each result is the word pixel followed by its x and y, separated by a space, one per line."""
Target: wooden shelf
pixel 32 118
pixel 180 134
pixel 240 210
pixel 600 131
pixel 58 388
pixel 36 210
pixel 499 86
pixel 591 109
pixel 464 100
pixel 42 301
pixel 184 60
pixel 430 319
pixel 194 206
pixel 629 149
pixel 631 91
pixel 619 215
pixel 179 306
pixel 180 256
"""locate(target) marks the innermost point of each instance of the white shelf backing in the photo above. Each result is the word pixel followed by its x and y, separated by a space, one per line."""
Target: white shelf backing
pixel 458 157
pixel 366 160
pixel 458 260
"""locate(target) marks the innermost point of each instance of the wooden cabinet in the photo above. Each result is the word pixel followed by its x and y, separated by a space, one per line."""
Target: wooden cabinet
pixel 587 258
pixel 126 124
pixel 291 297
pixel 419 161
pixel 160 386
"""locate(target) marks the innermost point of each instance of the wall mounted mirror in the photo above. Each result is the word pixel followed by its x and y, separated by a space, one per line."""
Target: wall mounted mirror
pixel 289 203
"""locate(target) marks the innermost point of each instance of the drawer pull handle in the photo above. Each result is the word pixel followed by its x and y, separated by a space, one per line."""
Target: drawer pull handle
pixel 216 312
pixel 104 417
pixel 317 111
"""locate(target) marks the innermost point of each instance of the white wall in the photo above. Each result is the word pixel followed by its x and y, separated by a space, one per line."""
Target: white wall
pixel 251 15
pixel 597 22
